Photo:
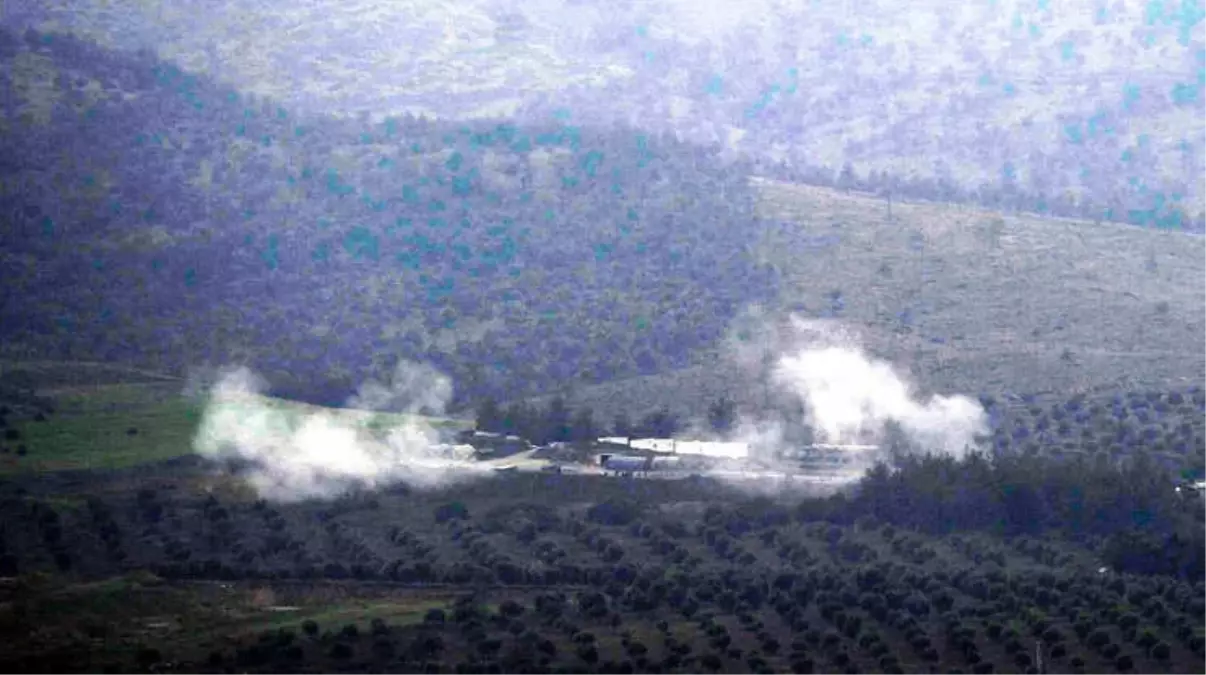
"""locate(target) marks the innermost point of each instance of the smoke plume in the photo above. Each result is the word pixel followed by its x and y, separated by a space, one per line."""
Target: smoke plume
pixel 845 395
pixel 297 452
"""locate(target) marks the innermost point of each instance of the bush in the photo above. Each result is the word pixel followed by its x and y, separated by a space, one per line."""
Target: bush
pixel 341 651
pixel 588 653
pixel 451 511
pixel 802 665
pixel 614 512
pixel 148 656
pixel 435 616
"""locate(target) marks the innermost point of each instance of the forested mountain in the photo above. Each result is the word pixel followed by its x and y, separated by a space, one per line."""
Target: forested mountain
pixel 1084 108
pixel 162 219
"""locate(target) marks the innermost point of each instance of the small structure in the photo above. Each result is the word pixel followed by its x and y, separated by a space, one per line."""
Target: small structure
pixel 671 446
pixel 713 449
pixel 626 464
pixel 489 444
pixel 461 453
pixel 666 463
pixel 1195 487
pixel 470 435
pixel 662 445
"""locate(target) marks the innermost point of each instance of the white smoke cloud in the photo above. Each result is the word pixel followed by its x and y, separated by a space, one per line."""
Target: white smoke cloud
pixel 820 375
pixel 850 397
pixel 297 452
pixel 415 388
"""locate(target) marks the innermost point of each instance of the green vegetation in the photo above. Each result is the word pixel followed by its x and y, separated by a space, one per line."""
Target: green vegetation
pixel 62 424
pixel 362 613
pixel 106 440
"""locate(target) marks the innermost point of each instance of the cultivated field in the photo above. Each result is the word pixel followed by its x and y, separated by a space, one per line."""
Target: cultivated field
pixel 116 560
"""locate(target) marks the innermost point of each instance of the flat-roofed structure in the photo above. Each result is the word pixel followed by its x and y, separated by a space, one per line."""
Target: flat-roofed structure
pixel 721 449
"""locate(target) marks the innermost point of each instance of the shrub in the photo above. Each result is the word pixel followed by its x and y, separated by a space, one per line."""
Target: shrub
pixel 588 653
pixel 435 616
pixel 615 512
pixel 451 511
pixel 801 664
pixel 341 651
pixel 148 656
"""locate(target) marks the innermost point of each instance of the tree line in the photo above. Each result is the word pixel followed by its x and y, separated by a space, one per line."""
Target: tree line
pixel 1127 511
pixel 559 422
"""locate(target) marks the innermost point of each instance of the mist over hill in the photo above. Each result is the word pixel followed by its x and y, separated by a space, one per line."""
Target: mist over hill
pixel 192 225
pixel 1055 307
pixel 1086 108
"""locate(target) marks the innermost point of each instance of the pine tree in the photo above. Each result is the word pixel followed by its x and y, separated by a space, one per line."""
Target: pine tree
pixel 846 179
pixel 584 429
pixel 722 415
pixel 622 426
pixel 557 421
pixel 489 416
pixel 515 419
pixel 659 424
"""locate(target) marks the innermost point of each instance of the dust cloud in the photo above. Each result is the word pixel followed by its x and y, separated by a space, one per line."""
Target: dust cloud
pixel 821 376
pixel 294 452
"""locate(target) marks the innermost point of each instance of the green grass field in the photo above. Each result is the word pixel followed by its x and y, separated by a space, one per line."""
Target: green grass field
pixel 125 613
pixel 121 424
pixel 397 612
pixel 98 439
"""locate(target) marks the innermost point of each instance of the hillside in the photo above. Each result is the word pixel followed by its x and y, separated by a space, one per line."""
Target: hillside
pixel 176 570
pixel 252 303
pixel 193 224
pixel 1075 107
pixel 1052 306
pixel 196 226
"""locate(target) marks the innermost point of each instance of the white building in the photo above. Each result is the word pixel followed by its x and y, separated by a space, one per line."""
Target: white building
pixel 713 449
pixel 670 446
